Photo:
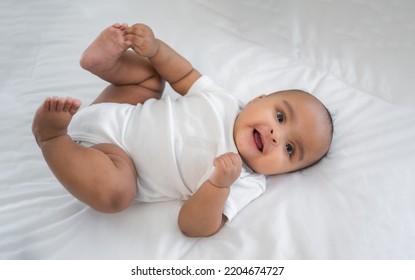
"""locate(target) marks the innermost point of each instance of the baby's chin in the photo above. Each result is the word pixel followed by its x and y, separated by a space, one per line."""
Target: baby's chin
pixel 265 170
pixel 259 168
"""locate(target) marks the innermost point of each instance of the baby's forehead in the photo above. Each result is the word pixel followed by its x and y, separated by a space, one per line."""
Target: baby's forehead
pixel 297 97
pixel 294 93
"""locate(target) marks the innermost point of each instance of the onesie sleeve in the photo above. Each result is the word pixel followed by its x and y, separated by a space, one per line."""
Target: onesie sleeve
pixel 248 187
pixel 204 84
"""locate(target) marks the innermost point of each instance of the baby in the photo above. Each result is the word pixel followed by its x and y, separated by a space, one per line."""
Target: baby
pixel 203 148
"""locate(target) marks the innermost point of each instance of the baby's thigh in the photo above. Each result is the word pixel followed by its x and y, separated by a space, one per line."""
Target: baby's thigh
pixel 131 94
pixel 125 186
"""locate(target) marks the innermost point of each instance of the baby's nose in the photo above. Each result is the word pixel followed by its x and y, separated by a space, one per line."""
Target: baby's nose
pixel 273 136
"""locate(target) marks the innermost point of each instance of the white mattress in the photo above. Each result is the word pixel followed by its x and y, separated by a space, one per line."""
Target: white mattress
pixel 356 56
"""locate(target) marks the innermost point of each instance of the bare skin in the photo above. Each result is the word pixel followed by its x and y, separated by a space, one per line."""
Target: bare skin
pixel 102 176
pixel 132 78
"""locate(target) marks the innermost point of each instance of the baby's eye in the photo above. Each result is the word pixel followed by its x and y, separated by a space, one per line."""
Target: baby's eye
pixel 290 149
pixel 280 117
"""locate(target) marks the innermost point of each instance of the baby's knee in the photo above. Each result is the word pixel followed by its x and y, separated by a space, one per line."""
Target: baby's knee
pixel 119 201
pixel 114 199
pixel 117 182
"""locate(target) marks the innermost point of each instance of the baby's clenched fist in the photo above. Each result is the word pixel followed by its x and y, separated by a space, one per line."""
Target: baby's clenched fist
pixel 227 169
pixel 141 39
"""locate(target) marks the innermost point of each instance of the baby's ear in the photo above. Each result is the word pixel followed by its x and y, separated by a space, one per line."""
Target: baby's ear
pixel 257 98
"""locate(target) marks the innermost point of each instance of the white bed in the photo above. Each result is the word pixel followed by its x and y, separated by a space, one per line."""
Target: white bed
pixel 356 56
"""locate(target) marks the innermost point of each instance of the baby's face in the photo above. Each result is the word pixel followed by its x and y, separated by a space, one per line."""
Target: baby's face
pixel 282 132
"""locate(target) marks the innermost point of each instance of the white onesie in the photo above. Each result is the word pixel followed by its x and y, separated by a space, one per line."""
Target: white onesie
pixel 172 142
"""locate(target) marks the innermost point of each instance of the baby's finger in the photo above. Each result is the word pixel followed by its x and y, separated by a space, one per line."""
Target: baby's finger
pixel 231 158
pixel 218 162
pixel 135 40
pixel 236 159
pixel 134 31
pixel 226 161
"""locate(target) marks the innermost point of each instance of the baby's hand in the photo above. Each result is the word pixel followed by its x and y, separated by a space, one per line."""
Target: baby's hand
pixel 141 39
pixel 227 169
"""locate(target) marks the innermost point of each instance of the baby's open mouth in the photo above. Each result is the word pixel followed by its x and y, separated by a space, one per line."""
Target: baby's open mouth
pixel 258 140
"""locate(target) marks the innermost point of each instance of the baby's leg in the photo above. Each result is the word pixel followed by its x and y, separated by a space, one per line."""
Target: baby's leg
pixel 108 57
pixel 103 176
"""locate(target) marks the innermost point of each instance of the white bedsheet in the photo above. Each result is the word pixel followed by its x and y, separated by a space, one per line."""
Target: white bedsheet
pixel 356 56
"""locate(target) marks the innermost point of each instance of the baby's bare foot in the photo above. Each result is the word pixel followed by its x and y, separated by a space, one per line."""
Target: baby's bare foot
pixel 53 117
pixel 102 55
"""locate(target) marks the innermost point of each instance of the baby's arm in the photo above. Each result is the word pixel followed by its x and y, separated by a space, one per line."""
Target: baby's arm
pixel 202 213
pixel 170 65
